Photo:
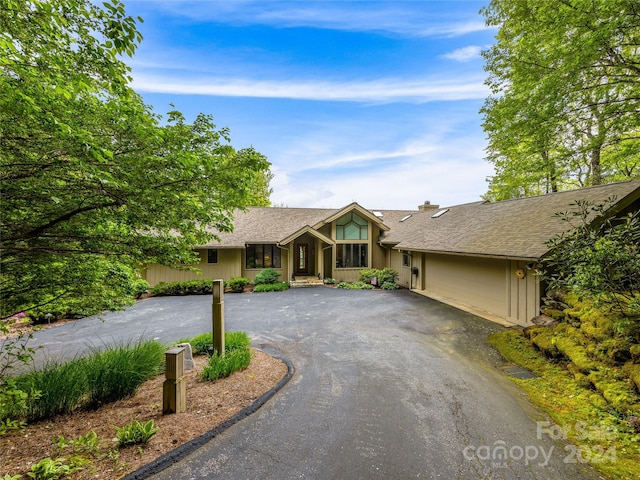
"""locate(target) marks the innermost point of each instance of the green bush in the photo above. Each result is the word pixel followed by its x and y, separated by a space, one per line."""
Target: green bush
pixel 237 284
pixel 382 276
pixel 140 287
pixel 223 366
pixel 191 287
pixel 267 276
pixel 389 286
pixel 271 287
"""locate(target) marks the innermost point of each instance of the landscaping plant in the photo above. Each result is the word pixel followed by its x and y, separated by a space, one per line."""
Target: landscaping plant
pixel 237 284
pixel 271 287
pixel 135 433
pixel 266 277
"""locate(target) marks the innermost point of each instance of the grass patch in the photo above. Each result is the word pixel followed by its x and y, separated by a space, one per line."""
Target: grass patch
pixel 602 434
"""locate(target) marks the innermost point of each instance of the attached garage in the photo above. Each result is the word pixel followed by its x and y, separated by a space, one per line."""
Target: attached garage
pixel 483 256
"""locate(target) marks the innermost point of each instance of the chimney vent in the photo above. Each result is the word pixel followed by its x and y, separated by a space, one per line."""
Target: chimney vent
pixel 427 206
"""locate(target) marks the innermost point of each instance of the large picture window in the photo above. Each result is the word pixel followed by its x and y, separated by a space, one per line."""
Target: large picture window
pixel 352 227
pixel 352 255
pixel 263 256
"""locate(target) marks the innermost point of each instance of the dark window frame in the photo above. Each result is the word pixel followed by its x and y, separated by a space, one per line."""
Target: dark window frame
pixel 352 255
pixel 263 255
pixel 212 255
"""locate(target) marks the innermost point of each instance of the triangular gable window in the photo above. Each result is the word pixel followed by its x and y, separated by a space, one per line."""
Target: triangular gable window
pixel 352 227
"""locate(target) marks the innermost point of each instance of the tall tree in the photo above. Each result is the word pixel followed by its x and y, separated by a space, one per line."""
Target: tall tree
pixel 565 82
pixel 93 183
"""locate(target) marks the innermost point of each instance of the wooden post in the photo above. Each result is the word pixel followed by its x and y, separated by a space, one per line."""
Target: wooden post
pixel 218 317
pixel 174 388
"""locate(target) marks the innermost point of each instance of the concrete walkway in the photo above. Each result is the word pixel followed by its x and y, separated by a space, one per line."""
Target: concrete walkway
pixel 387 385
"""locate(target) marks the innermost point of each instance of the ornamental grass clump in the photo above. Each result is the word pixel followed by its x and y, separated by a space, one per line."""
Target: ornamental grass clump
pixel 118 372
pixel 237 357
pixel 88 382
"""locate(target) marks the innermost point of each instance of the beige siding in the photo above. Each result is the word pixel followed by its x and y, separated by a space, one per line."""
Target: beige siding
pixel 524 294
pixel 228 266
pixel 378 255
pixel 477 282
pixel 346 274
pixel 251 273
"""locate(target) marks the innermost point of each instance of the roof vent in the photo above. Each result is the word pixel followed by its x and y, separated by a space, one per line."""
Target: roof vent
pixel 427 206
pixel 440 213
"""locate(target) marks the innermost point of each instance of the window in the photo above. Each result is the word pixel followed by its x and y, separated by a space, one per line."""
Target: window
pixel 212 255
pixel 263 256
pixel 406 260
pixel 352 227
pixel 352 255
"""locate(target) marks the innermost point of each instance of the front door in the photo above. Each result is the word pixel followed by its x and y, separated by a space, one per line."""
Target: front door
pixel 302 259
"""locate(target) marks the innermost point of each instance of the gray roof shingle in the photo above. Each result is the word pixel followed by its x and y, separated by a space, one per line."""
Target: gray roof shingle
pixel 517 228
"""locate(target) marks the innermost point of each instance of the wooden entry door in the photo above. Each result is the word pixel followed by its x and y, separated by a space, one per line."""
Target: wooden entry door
pixel 302 259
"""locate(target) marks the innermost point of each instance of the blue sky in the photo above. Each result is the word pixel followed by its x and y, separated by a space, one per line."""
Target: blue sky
pixel 368 101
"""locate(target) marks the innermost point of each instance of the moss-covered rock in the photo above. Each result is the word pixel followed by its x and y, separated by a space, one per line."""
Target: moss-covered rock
pixel 632 371
pixel 619 391
pixel 634 350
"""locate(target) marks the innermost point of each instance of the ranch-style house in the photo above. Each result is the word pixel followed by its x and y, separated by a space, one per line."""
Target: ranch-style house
pixel 478 256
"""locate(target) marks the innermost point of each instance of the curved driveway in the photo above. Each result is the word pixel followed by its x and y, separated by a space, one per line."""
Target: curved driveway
pixel 387 385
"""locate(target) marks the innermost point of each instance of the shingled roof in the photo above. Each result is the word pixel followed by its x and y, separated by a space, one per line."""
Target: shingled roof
pixel 517 228
pixel 273 224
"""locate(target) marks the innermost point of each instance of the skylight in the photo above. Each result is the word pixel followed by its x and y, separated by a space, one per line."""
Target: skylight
pixel 439 213
pixel 378 214
pixel 406 217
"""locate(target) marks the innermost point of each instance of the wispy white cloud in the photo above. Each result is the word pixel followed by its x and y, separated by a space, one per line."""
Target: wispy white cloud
pixel 377 91
pixel 464 54
pixel 407 19
pixel 429 167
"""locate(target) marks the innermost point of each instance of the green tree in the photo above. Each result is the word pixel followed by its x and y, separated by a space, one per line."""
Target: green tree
pixel 565 82
pixel 598 257
pixel 94 184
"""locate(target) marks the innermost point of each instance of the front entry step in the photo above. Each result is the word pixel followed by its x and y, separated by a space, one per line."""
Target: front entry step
pixel 305 282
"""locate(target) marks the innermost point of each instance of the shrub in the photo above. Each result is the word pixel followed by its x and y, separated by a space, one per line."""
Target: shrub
pixel 267 276
pixel 14 352
pixel 271 287
pixel 329 281
pixel 135 433
pixel 237 284
pixel 389 286
pixel 382 276
pixel 191 287
pixel 223 366
pixel 600 261
pixel 140 287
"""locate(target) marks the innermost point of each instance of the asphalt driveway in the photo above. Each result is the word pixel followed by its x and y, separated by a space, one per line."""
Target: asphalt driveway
pixel 387 385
